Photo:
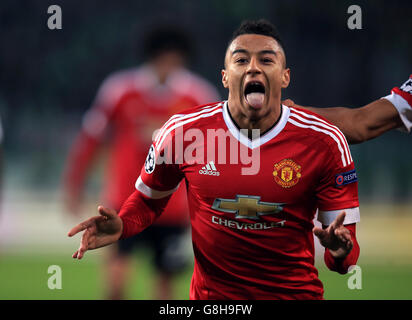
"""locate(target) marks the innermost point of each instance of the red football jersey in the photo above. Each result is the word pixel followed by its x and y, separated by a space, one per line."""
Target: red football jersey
pixel 130 106
pixel 252 202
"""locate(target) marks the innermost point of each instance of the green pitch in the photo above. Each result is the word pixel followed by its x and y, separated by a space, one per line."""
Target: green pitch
pixel 26 277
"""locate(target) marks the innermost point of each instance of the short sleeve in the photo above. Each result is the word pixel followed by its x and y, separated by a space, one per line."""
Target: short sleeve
pixel 338 187
pixel 161 174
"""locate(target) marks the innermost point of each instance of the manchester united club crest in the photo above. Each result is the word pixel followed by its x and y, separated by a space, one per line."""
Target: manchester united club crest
pixel 287 173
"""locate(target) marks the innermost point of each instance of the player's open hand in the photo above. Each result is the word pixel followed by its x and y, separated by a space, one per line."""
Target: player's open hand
pixel 100 231
pixel 335 237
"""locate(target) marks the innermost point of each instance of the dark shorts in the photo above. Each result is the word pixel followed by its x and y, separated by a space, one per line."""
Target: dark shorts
pixel 168 245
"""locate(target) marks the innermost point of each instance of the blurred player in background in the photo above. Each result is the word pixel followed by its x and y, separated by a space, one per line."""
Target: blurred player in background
pixel 131 105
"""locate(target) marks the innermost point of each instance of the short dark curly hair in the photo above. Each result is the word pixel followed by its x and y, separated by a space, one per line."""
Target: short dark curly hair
pixel 261 26
pixel 167 38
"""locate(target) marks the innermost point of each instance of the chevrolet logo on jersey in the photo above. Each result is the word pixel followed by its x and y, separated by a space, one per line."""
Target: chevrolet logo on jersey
pixel 247 207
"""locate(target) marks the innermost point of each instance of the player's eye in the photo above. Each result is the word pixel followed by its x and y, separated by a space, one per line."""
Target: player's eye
pixel 267 60
pixel 241 60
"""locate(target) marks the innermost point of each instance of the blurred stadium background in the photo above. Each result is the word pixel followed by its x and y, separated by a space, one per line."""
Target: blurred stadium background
pixel 48 79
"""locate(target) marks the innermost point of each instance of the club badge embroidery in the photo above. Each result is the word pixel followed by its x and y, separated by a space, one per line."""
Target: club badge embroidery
pixel 287 173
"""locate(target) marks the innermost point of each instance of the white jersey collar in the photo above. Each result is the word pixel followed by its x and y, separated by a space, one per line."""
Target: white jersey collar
pixel 255 143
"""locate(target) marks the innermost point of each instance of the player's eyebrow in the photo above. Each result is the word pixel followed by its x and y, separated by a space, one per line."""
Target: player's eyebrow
pixel 260 52
pixel 239 51
pixel 268 52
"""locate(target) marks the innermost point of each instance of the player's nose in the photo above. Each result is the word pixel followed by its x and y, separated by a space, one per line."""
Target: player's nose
pixel 253 67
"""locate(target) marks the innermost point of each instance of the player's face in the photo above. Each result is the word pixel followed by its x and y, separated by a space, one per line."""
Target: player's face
pixel 167 62
pixel 255 73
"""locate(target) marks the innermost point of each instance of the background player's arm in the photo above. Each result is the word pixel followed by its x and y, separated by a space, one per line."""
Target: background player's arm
pixel 374 119
pixel 86 145
pixel 365 123
pixel 79 161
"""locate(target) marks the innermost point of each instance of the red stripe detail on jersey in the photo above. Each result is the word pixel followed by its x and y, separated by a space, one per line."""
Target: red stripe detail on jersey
pixel 184 120
pixel 332 127
pixel 312 127
pixel 178 117
pixel 322 124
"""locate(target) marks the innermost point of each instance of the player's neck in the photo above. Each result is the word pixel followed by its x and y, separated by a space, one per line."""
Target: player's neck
pixel 264 123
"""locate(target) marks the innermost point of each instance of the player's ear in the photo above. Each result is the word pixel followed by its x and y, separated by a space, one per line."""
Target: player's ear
pixel 285 78
pixel 224 79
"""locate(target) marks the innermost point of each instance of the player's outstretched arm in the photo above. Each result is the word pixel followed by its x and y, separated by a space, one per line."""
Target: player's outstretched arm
pixel 365 123
pixel 374 119
pixel 99 231
pixel 335 237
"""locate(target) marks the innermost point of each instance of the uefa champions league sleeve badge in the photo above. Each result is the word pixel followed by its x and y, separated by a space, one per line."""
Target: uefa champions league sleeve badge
pixel 149 165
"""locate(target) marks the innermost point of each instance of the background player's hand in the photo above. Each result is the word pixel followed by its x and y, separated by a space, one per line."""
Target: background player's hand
pixel 100 231
pixel 288 103
pixel 291 103
pixel 335 237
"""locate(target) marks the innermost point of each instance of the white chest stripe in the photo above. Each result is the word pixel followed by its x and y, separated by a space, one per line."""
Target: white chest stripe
pixel 313 127
pixel 334 130
pixel 180 117
pixel 181 123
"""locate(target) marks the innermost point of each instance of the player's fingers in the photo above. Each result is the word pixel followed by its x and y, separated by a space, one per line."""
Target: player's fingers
pixel 349 245
pixel 339 220
pixel 91 242
pixel 107 212
pixel 74 255
pixel 342 234
pixel 80 253
pixel 319 232
pixel 81 226
pixel 84 244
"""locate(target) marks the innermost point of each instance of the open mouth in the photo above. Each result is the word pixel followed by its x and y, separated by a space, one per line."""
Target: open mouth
pixel 256 87
pixel 255 94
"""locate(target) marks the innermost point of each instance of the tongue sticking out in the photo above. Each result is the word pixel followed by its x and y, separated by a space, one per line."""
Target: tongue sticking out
pixel 255 99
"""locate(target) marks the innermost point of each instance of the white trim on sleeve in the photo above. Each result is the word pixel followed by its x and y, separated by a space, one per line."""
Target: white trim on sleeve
pixel 152 193
pixel 404 109
pixel 327 217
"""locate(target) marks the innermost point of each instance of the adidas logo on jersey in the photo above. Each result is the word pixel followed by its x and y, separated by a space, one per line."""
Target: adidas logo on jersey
pixel 209 170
